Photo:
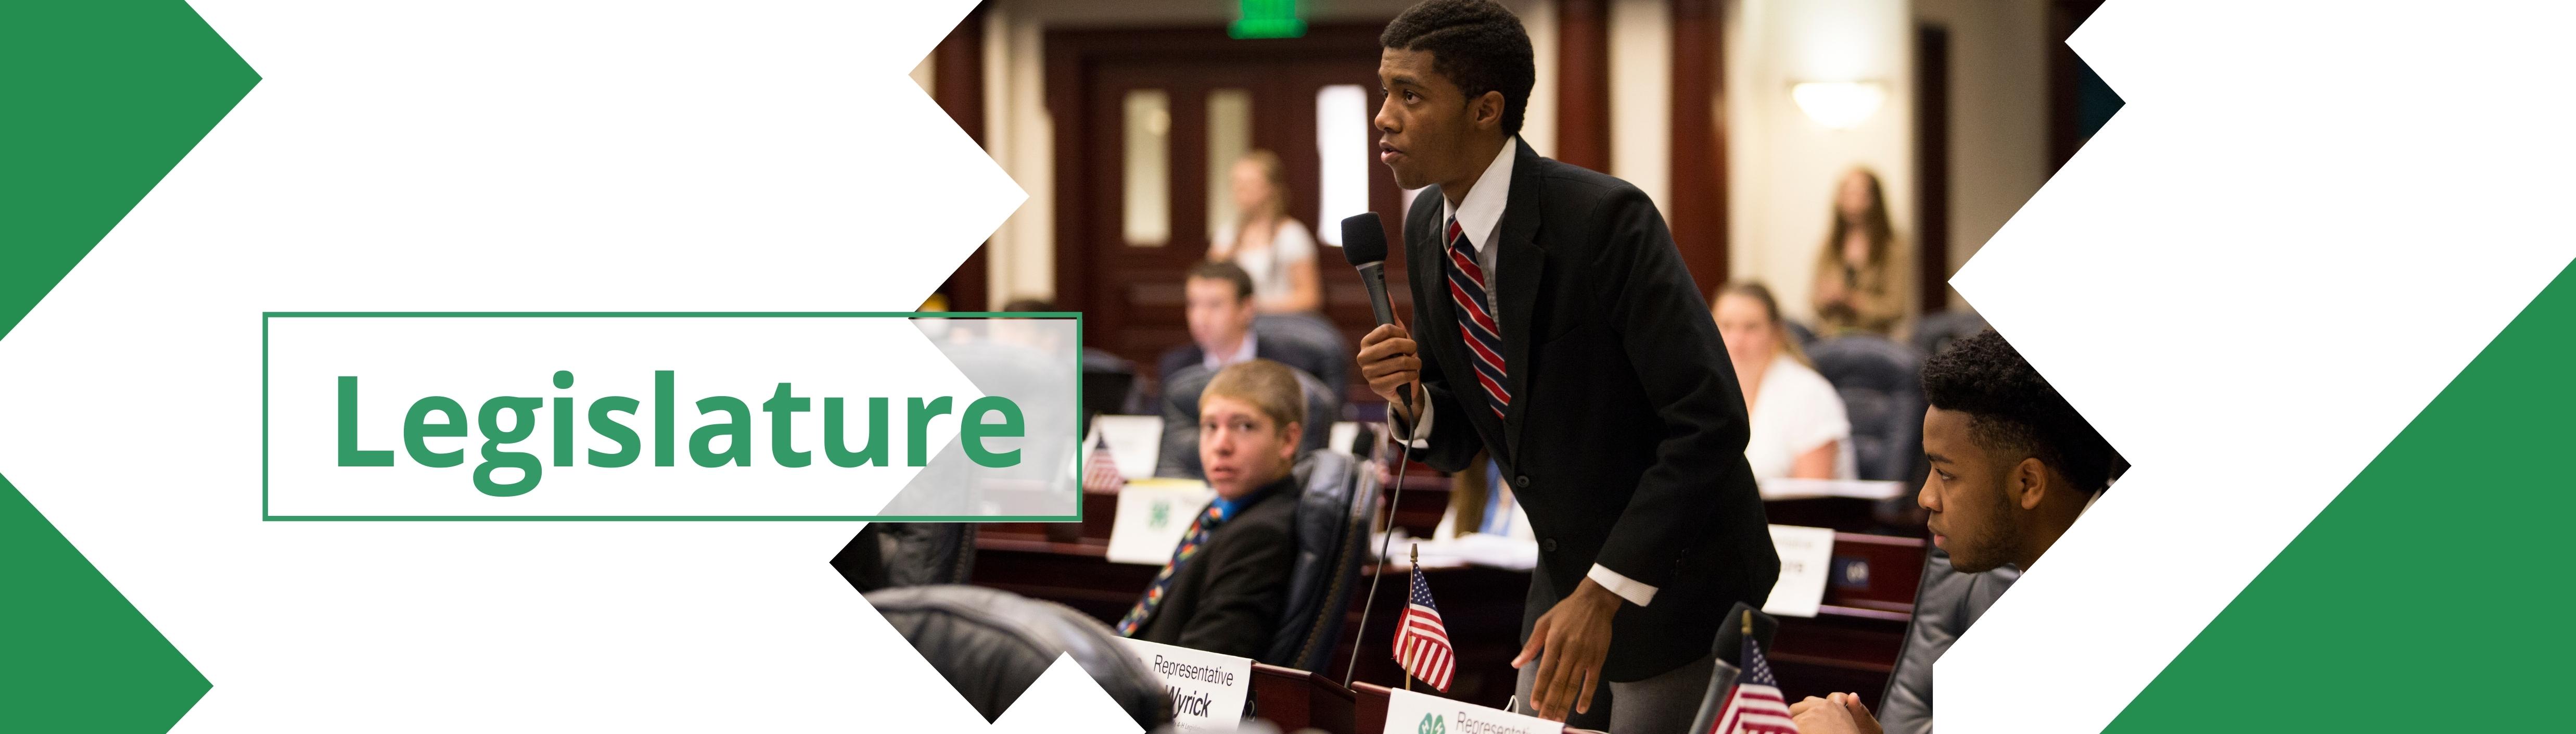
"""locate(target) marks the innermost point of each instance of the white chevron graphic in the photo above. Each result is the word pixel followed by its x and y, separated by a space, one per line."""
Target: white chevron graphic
pixel 2306 220
pixel 480 155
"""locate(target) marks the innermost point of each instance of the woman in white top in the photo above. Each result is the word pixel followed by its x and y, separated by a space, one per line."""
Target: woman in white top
pixel 1272 247
pixel 1799 429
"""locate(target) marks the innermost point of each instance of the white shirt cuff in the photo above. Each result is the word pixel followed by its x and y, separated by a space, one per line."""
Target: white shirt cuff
pixel 1421 428
pixel 1627 588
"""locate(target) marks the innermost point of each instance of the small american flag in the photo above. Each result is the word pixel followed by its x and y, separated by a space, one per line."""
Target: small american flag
pixel 1100 474
pixel 1421 643
pixel 1755 705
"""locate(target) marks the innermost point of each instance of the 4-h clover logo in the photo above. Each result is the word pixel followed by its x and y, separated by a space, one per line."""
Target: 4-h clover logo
pixel 1162 515
pixel 1432 724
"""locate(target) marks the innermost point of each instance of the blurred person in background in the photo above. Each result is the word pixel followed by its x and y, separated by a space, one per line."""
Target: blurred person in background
pixel 1220 301
pixel 1862 281
pixel 1272 247
pixel 1799 428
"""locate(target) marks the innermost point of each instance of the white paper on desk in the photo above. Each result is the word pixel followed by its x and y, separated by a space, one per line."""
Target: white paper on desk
pixel 1135 442
pixel 1806 555
pixel 1207 689
pixel 1496 551
pixel 1418 713
pixel 1152 516
pixel 1785 488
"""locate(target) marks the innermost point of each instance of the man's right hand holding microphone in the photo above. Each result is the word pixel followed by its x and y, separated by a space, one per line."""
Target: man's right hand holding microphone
pixel 1388 359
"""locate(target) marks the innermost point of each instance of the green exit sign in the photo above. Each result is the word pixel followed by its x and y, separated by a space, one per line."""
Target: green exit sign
pixel 1267 19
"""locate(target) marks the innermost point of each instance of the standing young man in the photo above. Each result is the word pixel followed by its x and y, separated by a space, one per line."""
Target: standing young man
pixel 1559 331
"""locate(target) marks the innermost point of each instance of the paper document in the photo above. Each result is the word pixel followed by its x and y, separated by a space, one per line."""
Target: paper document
pixel 1806 554
pixel 1152 516
pixel 1784 488
pixel 1135 442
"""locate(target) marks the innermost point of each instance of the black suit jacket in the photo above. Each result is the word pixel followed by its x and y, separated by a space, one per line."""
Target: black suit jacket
pixel 1625 435
pixel 1322 363
pixel 1228 596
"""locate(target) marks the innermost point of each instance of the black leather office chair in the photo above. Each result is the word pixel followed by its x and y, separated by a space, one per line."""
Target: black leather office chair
pixel 1180 453
pixel 1881 383
pixel 1944 606
pixel 1319 342
pixel 991 644
pixel 1800 332
pixel 1936 330
pixel 1332 537
pixel 1109 384
pixel 886 555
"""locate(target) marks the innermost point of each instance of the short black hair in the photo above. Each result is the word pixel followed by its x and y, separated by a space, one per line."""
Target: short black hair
pixel 2010 406
pixel 1478 44
pixel 1225 271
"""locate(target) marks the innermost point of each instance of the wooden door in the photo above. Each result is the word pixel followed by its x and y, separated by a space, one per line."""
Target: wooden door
pixel 1130 288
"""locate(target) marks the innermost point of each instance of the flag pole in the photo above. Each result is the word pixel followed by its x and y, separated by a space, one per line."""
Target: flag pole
pixel 1377 571
pixel 1748 625
pixel 1414 566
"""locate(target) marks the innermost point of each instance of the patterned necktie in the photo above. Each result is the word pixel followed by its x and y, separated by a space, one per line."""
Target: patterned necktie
pixel 1190 542
pixel 1475 321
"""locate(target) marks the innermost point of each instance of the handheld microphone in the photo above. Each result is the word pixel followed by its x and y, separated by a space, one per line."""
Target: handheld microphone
pixel 1364 244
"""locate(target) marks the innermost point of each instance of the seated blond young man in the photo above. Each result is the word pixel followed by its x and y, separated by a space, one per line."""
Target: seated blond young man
pixel 2013 466
pixel 1227 582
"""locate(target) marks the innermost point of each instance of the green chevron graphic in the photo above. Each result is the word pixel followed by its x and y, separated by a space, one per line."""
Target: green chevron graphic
pixel 103 99
pixel 2431 594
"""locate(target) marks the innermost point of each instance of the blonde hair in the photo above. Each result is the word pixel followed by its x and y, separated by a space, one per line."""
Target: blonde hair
pixel 1270 387
pixel 1274 171
pixel 1761 294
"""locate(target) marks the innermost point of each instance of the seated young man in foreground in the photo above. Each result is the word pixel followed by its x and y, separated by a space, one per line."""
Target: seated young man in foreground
pixel 1227 582
pixel 2013 466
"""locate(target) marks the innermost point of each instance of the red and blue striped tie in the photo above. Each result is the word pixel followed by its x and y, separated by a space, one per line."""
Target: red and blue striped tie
pixel 1476 320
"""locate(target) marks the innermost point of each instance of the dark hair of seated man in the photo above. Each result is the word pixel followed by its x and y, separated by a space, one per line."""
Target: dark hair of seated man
pixel 1225 593
pixel 2012 463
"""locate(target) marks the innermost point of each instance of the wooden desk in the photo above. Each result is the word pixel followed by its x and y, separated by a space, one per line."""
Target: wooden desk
pixel 1295 699
pixel 1368 707
pixel 1851 645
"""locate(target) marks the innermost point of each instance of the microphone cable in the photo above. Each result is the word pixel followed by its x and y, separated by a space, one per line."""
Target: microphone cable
pixel 1403 458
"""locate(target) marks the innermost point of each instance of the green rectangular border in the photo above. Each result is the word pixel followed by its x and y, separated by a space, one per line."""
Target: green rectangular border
pixel 1078 422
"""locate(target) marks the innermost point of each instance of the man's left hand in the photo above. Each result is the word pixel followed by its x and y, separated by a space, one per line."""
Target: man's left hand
pixel 1569 642
pixel 1840 713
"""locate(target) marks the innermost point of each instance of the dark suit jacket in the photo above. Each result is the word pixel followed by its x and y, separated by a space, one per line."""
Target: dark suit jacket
pixel 1227 597
pixel 1625 436
pixel 1278 342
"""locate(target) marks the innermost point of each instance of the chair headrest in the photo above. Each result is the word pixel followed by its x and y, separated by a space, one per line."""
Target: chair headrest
pixel 890 554
pixel 1180 453
pixel 1867 361
pixel 1331 486
pixel 991 644
pixel 1935 331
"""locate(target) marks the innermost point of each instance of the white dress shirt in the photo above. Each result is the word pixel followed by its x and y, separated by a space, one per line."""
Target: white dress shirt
pixel 1245 353
pixel 1480 219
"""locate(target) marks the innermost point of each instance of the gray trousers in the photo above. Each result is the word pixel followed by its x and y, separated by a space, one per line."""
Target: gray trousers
pixel 1664 704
